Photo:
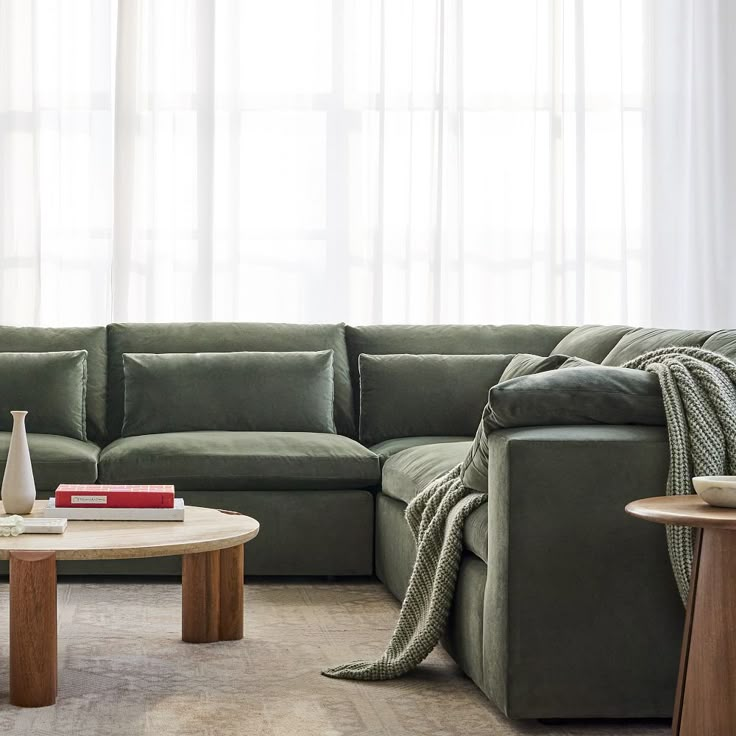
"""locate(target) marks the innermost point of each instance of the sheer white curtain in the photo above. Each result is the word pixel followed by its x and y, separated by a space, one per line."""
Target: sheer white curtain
pixel 692 162
pixel 321 160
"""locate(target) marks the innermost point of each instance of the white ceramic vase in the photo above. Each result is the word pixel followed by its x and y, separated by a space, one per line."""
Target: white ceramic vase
pixel 19 488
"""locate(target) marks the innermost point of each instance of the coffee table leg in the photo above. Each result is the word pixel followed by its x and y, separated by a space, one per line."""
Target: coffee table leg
pixel 32 629
pixel 231 593
pixel 706 699
pixel 200 597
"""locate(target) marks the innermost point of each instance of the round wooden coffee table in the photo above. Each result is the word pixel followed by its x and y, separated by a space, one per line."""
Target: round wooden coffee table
pixel 705 703
pixel 210 543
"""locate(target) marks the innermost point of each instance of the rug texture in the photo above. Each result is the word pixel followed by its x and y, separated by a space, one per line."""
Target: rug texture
pixel 124 671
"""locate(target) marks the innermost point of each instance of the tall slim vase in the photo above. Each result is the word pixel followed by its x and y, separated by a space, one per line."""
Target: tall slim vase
pixel 19 488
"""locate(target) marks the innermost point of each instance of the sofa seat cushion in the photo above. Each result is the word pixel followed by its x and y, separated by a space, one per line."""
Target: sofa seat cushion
pixel 241 461
pixel 56 459
pixel 387 448
pixel 408 472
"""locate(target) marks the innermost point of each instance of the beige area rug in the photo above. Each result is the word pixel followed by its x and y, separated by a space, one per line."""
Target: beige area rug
pixel 124 670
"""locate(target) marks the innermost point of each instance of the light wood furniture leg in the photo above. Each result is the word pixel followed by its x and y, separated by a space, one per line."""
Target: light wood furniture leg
pixel 200 597
pixel 706 693
pixel 33 668
pixel 231 593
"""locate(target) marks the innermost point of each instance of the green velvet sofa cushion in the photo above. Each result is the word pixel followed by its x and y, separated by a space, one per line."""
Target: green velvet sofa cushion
pixel 475 465
pixel 241 461
pixel 642 340
pixel 413 395
pixel 51 387
pixel 55 339
pixel 525 364
pixel 723 342
pixel 579 395
pixel 574 395
pixel 408 472
pixel 236 392
pixel 56 459
pixel 592 342
pixel 387 448
pixel 226 337
pixel 448 340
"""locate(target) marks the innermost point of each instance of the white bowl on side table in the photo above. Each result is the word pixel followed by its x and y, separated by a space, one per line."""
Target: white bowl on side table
pixel 717 490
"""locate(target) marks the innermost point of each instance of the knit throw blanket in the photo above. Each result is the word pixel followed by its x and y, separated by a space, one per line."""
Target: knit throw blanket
pixel 699 394
pixel 700 406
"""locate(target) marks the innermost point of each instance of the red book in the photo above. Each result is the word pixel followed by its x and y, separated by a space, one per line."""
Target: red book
pixel 114 497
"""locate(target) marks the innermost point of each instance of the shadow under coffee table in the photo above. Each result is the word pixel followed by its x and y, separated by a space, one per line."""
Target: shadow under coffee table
pixel 209 541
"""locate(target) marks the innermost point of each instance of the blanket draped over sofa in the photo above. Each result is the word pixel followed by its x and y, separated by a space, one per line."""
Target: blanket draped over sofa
pixel 699 395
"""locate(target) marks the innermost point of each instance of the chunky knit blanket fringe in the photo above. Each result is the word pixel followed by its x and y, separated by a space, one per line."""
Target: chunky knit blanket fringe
pixel 436 517
pixel 699 394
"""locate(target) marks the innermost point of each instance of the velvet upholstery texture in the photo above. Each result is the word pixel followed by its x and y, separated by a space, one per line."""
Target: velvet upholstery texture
pixel 302 533
pixel 580 395
pixel 225 337
pixel 70 339
pixel 723 342
pixel 407 473
pixel 56 459
pixel 637 342
pixel 582 617
pixel 412 395
pixel 387 448
pixel 51 387
pixel 592 342
pixel 525 364
pixel 241 461
pixel 236 392
pixel 475 465
pixel 448 340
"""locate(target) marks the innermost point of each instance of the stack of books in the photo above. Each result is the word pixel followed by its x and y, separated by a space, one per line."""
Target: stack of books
pixel 115 503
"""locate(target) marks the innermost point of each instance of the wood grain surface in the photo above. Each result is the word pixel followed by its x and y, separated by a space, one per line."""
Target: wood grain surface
pixel 683 510
pixel 33 629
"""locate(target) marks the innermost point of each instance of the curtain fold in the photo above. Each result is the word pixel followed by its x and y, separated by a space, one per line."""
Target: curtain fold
pixel 692 163
pixel 366 161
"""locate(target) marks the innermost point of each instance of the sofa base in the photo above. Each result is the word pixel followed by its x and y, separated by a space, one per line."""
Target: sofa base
pixel 302 533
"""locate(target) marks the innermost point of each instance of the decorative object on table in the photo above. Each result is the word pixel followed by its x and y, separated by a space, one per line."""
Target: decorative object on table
pixel 19 488
pixel 717 490
pixel 11 526
pixel 14 525
pixel 115 514
pixel 70 495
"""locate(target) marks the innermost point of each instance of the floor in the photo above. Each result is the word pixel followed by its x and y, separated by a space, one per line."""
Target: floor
pixel 124 670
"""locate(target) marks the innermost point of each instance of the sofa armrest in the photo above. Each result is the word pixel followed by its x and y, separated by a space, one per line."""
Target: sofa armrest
pixel 582 617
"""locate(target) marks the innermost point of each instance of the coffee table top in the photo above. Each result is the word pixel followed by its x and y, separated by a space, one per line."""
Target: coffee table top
pixel 202 530
pixel 684 511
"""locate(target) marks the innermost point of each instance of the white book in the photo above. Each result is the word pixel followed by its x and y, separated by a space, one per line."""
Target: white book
pixel 107 514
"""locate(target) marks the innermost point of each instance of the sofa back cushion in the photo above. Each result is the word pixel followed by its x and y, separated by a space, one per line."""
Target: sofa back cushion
pixel 222 337
pixel 51 387
pixel 448 340
pixel 592 342
pixel 723 342
pixel 232 392
pixel 55 339
pixel 423 395
pixel 642 340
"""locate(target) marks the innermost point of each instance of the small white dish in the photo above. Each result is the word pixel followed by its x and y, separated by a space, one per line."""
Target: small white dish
pixel 717 490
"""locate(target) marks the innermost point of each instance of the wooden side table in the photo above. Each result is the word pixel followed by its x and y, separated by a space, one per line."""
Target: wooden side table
pixel 705 702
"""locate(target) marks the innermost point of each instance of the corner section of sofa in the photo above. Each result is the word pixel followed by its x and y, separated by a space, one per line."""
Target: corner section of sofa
pixel 581 617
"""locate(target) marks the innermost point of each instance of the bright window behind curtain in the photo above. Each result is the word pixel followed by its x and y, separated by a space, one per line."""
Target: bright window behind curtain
pixel 321 160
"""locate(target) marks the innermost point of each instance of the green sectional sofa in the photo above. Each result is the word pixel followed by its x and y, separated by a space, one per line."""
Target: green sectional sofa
pixel 565 607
